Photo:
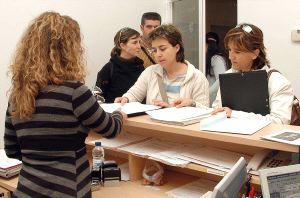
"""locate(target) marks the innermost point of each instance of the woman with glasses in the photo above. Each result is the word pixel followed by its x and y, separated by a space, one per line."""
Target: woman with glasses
pixel 173 81
pixel 247 53
pixel 216 64
pixel 51 111
pixel 123 68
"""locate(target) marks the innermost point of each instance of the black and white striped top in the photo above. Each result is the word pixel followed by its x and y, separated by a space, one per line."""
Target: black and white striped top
pixel 51 144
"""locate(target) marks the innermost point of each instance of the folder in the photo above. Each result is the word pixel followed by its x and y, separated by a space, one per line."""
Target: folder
pixel 246 91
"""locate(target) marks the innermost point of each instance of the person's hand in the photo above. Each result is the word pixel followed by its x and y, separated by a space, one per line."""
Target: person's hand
pixel 121 100
pixel 226 109
pixel 124 115
pixel 182 102
pixel 160 103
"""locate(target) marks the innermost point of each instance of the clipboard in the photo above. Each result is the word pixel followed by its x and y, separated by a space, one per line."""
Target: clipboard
pixel 246 91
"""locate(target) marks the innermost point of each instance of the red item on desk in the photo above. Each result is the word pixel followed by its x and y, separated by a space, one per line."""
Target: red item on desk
pixel 252 192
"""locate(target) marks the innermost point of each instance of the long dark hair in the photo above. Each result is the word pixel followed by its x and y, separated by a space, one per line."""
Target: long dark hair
pixel 212 41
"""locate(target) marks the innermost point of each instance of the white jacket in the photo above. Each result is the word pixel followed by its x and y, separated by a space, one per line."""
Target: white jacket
pixel 280 100
pixel 195 86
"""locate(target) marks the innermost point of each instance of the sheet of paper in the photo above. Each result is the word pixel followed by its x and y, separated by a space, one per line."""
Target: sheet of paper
pixel 220 123
pixel 123 139
pixel 128 108
pixel 214 157
pixel 194 189
pixel 149 147
pixel 170 158
pixel 284 136
pixel 178 114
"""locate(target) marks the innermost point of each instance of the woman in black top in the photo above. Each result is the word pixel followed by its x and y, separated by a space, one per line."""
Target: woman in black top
pixel 123 68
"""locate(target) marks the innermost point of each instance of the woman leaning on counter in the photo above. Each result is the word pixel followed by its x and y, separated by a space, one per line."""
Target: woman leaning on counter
pixel 51 111
pixel 183 84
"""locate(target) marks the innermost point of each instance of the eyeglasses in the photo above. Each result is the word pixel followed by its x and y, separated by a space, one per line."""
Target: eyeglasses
pixel 245 28
pixel 122 31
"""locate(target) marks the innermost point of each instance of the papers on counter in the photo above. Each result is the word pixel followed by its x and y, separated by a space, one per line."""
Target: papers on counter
pixel 220 123
pixel 8 166
pixel 131 108
pixel 284 136
pixel 179 116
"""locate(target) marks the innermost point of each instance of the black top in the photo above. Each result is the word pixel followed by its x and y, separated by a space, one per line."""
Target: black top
pixel 117 76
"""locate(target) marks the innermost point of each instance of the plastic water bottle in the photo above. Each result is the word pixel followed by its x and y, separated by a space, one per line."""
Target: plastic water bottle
pixel 98 156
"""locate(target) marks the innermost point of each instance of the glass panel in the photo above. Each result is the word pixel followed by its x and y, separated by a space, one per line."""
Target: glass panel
pixel 185 16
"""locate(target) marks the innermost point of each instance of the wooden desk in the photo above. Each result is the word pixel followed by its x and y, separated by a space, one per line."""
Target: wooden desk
pixel 248 144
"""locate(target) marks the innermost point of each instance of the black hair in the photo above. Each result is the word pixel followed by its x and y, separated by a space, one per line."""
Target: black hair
pixel 150 16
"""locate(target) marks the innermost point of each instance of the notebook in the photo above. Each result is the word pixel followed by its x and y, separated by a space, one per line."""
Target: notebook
pixel 246 91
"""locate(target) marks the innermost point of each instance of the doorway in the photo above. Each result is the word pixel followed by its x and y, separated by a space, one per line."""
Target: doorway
pixel 221 16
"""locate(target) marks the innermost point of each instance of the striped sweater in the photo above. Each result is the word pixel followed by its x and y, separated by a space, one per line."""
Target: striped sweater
pixel 51 144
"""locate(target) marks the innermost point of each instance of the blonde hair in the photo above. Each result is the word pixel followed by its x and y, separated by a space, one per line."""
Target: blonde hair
pixel 49 52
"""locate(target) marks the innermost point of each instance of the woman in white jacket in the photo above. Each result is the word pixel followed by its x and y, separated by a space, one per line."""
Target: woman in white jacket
pixel 182 83
pixel 247 53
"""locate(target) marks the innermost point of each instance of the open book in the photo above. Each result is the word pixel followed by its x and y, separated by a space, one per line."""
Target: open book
pixel 179 116
pixel 131 108
pixel 220 123
pixel 284 136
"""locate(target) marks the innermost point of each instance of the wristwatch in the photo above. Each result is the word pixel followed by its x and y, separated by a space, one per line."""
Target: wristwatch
pixel 193 104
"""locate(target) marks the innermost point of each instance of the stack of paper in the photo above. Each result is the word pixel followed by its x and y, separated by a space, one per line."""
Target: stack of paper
pixel 131 109
pixel 179 116
pixel 220 123
pixel 9 167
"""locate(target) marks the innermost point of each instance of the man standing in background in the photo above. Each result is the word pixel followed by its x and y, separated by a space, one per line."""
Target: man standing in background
pixel 149 21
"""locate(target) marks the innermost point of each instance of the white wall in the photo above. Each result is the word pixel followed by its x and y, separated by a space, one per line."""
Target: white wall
pixel 99 21
pixel 277 19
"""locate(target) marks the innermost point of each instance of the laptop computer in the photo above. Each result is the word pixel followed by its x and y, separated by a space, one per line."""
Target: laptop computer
pixel 281 181
pixel 246 91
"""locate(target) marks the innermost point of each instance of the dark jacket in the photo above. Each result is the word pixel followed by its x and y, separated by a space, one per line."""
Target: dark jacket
pixel 117 76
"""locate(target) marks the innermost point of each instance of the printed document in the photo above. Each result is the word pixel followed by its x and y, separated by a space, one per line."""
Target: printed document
pixel 128 108
pixel 284 136
pixel 149 147
pixel 220 123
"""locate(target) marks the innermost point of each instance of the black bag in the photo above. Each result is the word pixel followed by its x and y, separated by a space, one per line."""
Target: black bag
pixel 295 117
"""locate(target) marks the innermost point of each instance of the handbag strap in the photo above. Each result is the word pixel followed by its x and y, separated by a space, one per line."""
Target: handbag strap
pixel 162 89
pixel 296 100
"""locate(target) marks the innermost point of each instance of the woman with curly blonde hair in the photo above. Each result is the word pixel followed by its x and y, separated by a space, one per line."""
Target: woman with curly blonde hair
pixel 51 111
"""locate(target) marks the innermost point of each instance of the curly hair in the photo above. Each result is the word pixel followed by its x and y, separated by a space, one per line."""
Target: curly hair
pixel 49 53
